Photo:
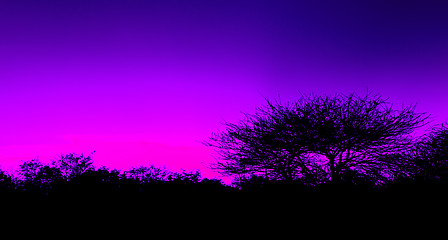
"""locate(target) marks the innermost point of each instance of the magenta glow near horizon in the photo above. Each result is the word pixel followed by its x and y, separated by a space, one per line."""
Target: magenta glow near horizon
pixel 144 82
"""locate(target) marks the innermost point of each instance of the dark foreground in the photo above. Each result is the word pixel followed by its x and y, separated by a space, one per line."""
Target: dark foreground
pixel 214 197
pixel 214 210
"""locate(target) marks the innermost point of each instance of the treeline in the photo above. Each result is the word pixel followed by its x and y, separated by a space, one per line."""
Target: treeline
pixel 74 175
pixel 318 145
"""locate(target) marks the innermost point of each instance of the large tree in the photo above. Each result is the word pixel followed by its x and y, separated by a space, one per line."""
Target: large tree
pixel 359 134
pixel 319 139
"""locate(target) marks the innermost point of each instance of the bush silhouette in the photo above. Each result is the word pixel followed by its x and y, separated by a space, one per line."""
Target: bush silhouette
pixel 431 155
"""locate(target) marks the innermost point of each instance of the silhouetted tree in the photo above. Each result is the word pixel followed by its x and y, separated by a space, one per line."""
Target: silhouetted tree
pixel 72 165
pixel 359 133
pixel 105 175
pixel 48 176
pixel 7 183
pixel 99 182
pixel 36 176
pixel 319 138
pixel 29 170
pixel 186 177
pixel 146 174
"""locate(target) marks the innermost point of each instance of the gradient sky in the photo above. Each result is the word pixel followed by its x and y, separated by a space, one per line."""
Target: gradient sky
pixel 144 82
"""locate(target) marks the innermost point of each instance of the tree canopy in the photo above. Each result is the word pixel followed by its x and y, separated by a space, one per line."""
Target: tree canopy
pixel 319 139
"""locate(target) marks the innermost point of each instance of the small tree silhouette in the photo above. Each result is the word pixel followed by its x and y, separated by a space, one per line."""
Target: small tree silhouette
pixel 7 183
pixel 36 176
pixel 29 170
pixel 145 174
pixel 186 177
pixel 72 165
pixel 431 156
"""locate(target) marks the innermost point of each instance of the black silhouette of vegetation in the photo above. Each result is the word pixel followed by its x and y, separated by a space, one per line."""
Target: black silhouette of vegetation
pixel 318 140
pixel 431 156
pixel 72 176
pixel 342 145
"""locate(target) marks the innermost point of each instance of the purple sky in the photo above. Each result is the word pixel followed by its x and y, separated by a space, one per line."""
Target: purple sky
pixel 144 82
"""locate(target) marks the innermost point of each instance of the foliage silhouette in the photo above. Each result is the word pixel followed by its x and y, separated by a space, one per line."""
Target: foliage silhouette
pixel 431 155
pixel 73 176
pixel 72 165
pixel 144 174
pixel 7 183
pixel 344 148
pixel 319 140
pixel 427 164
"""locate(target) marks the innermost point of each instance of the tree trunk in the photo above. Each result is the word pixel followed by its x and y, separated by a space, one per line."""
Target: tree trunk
pixel 332 169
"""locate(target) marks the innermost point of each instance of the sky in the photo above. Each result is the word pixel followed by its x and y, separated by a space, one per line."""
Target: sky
pixel 145 82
